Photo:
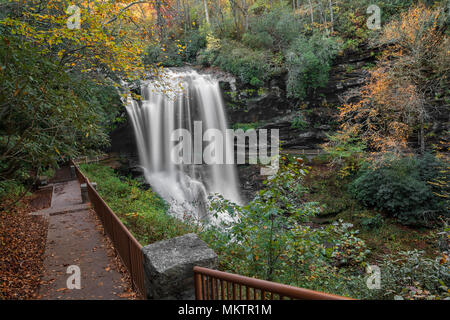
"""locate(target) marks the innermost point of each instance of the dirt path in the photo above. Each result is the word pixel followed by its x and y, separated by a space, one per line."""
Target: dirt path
pixel 75 238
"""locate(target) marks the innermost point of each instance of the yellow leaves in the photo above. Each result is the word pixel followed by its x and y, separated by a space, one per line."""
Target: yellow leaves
pixel 90 45
pixel 416 27
pixel 133 214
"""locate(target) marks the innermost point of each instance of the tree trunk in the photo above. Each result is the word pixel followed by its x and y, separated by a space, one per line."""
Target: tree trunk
pixel 187 18
pixel 159 20
pixel 422 134
pixel 245 13
pixel 206 11
pixel 323 16
pixel 311 11
pixel 331 15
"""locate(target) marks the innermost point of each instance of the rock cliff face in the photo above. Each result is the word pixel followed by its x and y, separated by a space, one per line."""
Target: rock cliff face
pixel 122 139
pixel 303 124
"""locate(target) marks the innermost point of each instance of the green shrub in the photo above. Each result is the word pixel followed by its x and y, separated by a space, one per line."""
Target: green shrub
pixel 169 55
pixel 246 126
pixel 194 42
pixel 10 189
pixel 259 40
pixel 274 29
pixel 400 187
pixel 299 122
pixel 346 152
pixel 48 112
pixel 176 49
pixel 372 222
pixel 251 66
pixel 308 62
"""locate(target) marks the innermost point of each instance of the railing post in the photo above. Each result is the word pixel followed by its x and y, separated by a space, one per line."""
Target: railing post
pixel 72 171
pixel 198 286
pixel 131 269
pixel 84 193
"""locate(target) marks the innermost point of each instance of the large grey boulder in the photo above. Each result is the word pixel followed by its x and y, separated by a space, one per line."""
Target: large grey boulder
pixel 169 266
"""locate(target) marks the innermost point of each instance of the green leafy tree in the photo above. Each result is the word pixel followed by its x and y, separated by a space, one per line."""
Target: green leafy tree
pixel 308 62
pixel 44 116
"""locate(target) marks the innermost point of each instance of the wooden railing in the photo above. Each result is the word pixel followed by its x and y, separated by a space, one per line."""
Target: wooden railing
pixel 125 244
pixel 209 284
pixel 217 285
pixel 86 159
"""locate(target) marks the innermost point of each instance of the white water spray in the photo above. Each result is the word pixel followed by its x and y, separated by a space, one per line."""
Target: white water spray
pixel 184 187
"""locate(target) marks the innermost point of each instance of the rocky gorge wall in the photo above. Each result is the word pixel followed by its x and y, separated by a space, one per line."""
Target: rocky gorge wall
pixel 302 124
pixel 269 107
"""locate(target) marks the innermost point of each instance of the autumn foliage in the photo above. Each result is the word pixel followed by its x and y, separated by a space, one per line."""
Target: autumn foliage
pixel 103 43
pixel 22 246
pixel 395 102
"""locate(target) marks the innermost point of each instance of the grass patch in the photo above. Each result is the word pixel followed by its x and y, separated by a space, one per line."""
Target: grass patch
pixel 143 212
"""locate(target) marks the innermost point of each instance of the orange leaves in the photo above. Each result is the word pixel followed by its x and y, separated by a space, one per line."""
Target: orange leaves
pixel 382 117
pixel 416 28
pixel 392 103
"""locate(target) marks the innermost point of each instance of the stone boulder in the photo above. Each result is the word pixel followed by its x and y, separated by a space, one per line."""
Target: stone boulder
pixel 169 266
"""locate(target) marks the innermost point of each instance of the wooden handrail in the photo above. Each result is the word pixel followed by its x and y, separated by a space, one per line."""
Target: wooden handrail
pixel 125 244
pixel 265 286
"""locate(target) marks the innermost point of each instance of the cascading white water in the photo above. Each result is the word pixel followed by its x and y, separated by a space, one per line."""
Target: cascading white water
pixel 184 186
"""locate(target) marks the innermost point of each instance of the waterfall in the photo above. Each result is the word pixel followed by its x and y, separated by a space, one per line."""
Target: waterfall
pixel 191 97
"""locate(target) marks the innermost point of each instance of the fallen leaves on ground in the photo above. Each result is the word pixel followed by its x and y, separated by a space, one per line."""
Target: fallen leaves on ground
pixel 22 246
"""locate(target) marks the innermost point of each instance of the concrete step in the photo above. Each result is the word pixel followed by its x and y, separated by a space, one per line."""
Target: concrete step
pixel 61 210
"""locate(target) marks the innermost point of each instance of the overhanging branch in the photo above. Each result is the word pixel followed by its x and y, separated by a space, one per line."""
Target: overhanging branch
pixel 124 9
